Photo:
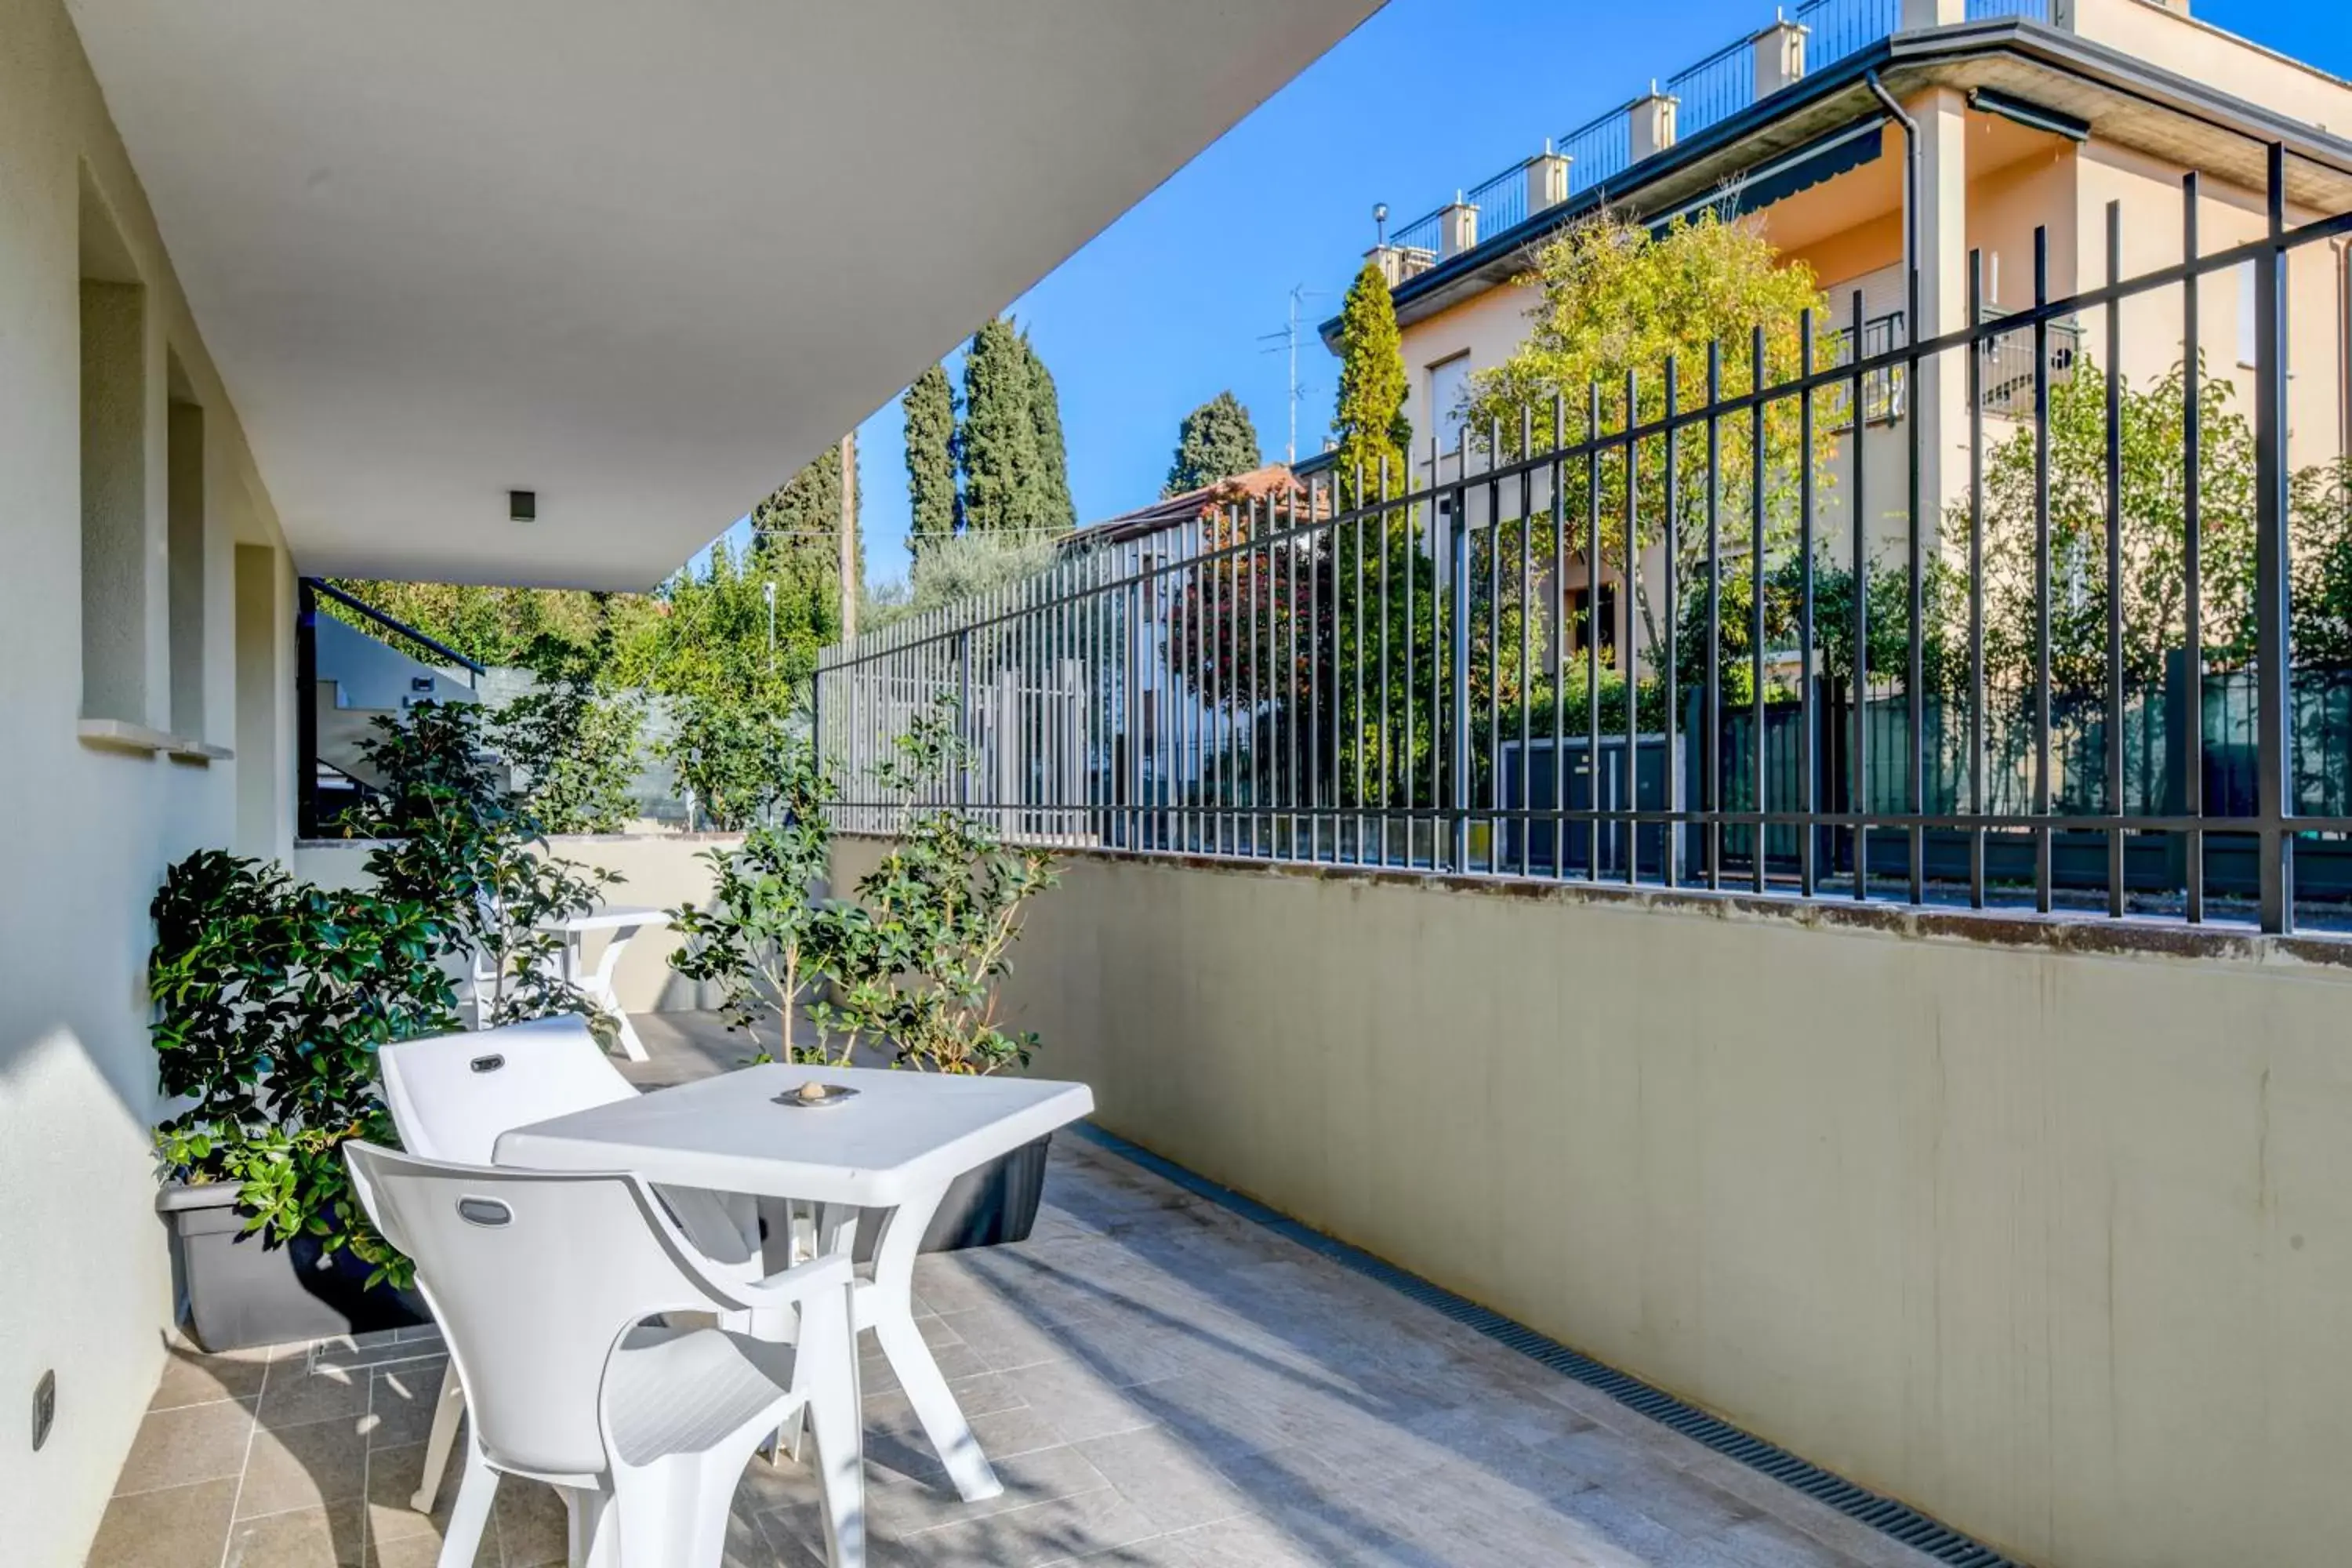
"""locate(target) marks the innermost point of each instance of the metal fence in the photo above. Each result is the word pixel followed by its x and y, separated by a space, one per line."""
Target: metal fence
pixel 1619 639
pixel 1598 148
pixel 1502 202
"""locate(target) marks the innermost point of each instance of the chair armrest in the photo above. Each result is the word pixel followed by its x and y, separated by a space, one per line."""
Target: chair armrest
pixel 833 1271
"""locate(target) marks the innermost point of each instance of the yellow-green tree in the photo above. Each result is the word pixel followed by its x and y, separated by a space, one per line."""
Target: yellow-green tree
pixel 1370 421
pixel 1617 299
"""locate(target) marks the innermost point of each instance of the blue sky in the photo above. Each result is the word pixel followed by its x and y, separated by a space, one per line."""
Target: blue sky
pixel 1168 305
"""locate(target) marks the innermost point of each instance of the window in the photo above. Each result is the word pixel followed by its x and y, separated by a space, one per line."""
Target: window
pixel 183 487
pixel 114 471
pixel 1447 382
pixel 2248 316
pixel 1581 623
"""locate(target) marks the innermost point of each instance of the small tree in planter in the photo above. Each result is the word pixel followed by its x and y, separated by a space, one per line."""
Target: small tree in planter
pixel 766 934
pixel 272 1000
pixel 453 839
pixel 919 956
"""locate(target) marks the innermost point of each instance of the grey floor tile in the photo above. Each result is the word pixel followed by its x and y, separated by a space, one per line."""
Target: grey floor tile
pixel 298 1392
pixel 401 1403
pixel 171 1527
pixel 195 1443
pixel 1167 1479
pixel 1059 1529
pixel 192 1377
pixel 301 1538
pixel 304 1467
pixel 533 1528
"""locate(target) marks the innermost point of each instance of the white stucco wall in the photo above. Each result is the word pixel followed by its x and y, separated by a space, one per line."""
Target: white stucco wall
pixel 2055 1244
pixel 89 830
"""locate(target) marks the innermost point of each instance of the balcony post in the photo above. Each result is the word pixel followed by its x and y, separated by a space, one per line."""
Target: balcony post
pixel 1917 14
pixel 1547 178
pixel 1650 123
pixel 1779 56
pixel 1458 227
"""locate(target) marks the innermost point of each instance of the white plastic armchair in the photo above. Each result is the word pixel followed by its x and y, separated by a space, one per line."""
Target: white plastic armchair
pixel 452 1095
pixel 645 1430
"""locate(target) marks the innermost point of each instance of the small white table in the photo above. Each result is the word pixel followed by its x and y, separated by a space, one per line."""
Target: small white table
pixel 624 922
pixel 896 1146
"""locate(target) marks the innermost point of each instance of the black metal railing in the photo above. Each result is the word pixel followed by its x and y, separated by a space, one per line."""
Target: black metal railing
pixel 314 811
pixel 2043 668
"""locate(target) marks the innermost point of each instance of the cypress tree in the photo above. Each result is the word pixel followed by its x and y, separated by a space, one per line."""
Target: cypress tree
pixel 1370 421
pixel 1215 442
pixel 997 448
pixel 930 411
pixel 805 512
pixel 1050 506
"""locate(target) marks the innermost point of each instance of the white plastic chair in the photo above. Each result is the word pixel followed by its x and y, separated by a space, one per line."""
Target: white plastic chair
pixel 452 1095
pixel 544 1282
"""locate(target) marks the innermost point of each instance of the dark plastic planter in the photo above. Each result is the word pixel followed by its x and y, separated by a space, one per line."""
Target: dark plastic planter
pixel 990 1205
pixel 242 1293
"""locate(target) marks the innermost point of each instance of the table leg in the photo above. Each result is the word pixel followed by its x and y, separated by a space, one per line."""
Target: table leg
pixel 886 1305
pixel 601 990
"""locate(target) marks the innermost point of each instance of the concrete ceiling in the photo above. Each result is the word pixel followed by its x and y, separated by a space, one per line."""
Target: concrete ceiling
pixel 643 259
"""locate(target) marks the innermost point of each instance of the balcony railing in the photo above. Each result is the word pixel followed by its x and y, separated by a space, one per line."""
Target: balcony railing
pixel 1705 94
pixel 1717 88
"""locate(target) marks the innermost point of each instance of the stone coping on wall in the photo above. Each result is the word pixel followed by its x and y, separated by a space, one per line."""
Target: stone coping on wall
pixel 552 838
pixel 2061 931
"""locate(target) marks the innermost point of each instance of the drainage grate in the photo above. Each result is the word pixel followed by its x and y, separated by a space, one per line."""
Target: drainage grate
pixel 1899 1521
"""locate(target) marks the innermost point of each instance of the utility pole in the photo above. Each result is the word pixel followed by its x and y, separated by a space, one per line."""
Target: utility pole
pixel 849 537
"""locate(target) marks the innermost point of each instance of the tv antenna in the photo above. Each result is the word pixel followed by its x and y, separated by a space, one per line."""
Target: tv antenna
pixel 1287 342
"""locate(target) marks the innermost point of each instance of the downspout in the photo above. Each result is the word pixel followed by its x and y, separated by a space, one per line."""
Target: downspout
pixel 1910 207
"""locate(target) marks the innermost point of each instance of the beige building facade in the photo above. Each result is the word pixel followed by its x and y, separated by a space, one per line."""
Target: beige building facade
pixel 2023 125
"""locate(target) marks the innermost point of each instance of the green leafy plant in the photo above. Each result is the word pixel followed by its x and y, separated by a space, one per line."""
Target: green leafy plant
pixel 576 749
pixel 272 999
pixel 917 959
pixel 454 840
pixel 730 756
pixel 765 934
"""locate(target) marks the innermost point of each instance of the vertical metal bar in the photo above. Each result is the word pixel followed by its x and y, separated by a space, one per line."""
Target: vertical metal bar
pixel 1249 683
pixel 1977 348
pixel 1756 794
pixel 2114 511
pixel 963 716
pixel 1711 737
pixel 1670 838
pixel 1629 777
pixel 1558 596
pixel 1457 648
pixel 306 709
pixel 1859 743
pixel 2274 731
pixel 1290 618
pixel 1592 562
pixel 1527 623
pixel 2042 868
pixel 1438 743
pixel 1409 774
pixel 1809 740
pixel 1494 531
pixel 1386 770
pixel 2191 564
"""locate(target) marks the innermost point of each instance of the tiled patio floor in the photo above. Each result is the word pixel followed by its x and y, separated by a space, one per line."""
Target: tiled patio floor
pixel 1160 1382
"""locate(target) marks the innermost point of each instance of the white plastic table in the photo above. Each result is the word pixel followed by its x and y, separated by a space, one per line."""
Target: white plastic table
pixel 896 1146
pixel 624 922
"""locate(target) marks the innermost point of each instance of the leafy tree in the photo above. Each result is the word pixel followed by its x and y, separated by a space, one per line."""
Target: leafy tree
pixel 1049 507
pixel 1369 422
pixel 730 753
pixel 997 448
pixel 1614 299
pixel 2153 541
pixel 804 512
pixel 764 935
pixel 454 840
pixel 2321 499
pixel 576 750
pixel 931 410
pixel 1215 442
pixel 508 626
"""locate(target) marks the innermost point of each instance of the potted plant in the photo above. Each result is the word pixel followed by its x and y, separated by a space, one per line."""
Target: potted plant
pixel 272 997
pixel 909 966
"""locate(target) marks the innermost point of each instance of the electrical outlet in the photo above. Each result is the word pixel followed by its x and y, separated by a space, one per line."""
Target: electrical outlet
pixel 45 1408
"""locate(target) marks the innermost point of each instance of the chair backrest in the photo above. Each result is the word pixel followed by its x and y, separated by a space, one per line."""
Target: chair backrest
pixel 533 1277
pixel 452 1095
